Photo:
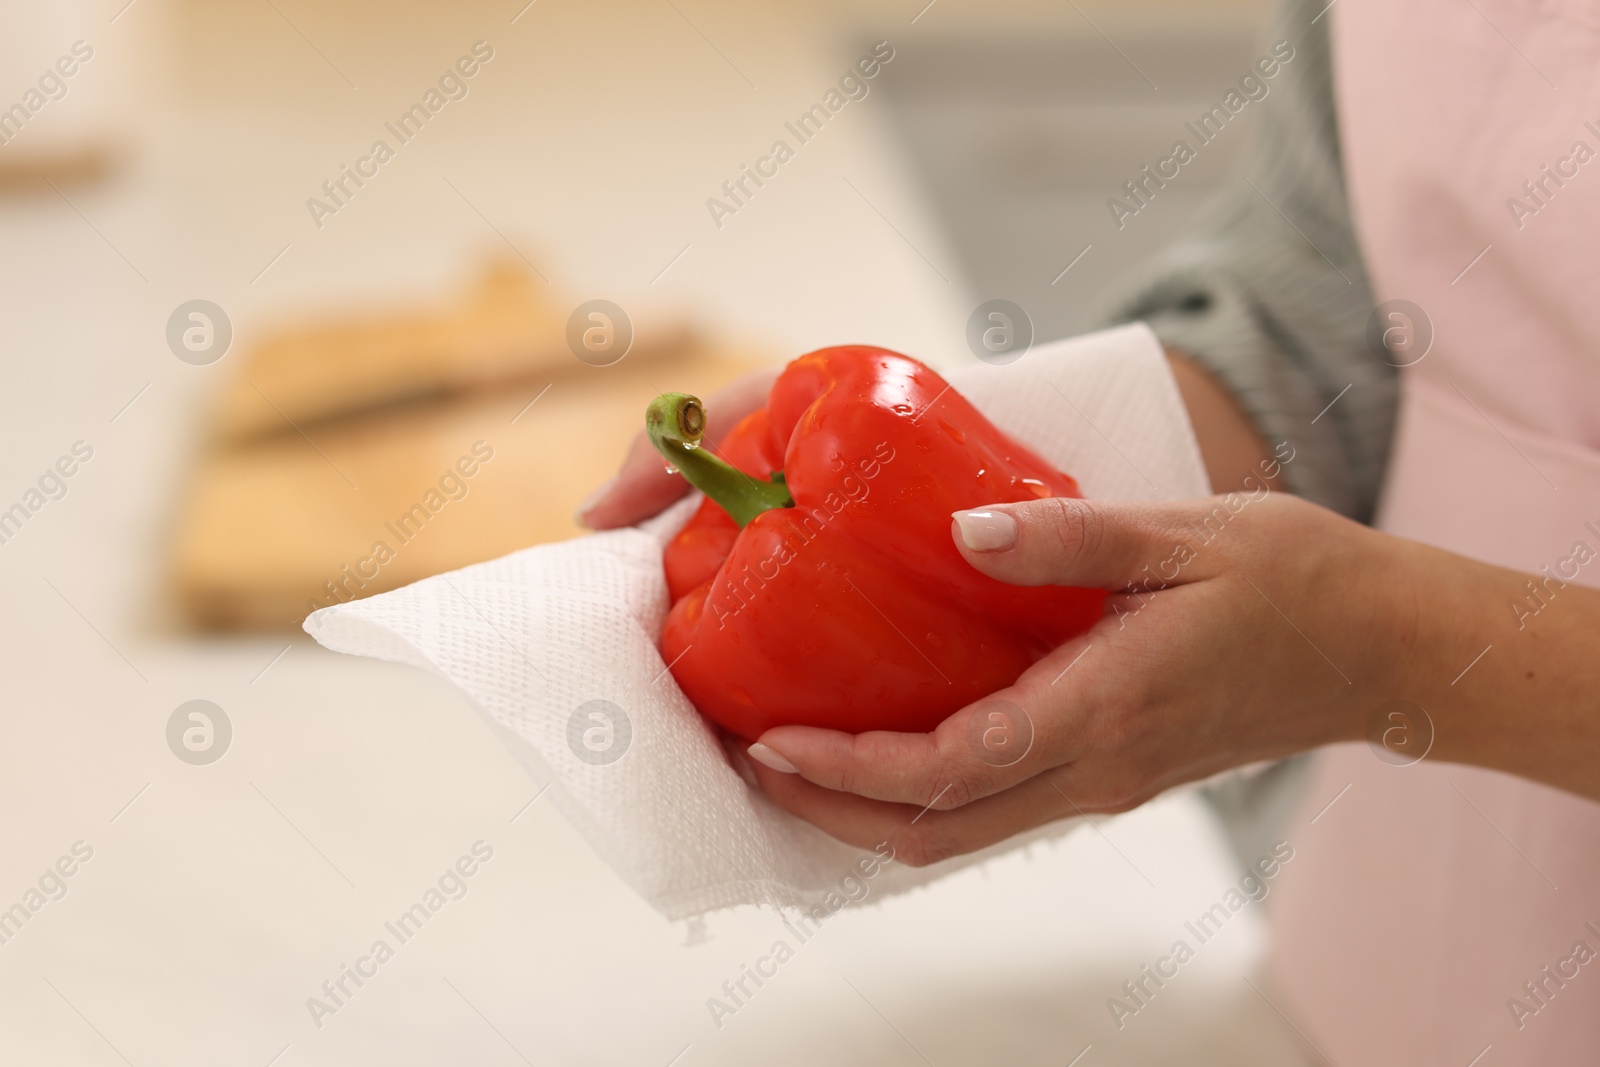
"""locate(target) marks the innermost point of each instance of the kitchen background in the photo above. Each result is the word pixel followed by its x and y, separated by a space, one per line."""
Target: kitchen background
pixel 372 345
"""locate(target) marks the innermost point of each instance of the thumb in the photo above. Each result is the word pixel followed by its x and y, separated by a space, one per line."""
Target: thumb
pixel 1065 541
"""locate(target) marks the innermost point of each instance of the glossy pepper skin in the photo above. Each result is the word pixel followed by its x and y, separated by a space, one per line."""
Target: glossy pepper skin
pixel 852 609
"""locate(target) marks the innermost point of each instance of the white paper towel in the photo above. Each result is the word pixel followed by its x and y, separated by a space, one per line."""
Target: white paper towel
pixel 535 637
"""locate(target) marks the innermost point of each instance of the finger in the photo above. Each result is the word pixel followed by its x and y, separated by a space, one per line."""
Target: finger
pixel 1064 541
pixel 984 748
pixel 919 836
pixel 642 486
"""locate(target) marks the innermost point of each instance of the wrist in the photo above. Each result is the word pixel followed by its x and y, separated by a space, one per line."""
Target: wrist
pixel 1385 639
pixel 1441 652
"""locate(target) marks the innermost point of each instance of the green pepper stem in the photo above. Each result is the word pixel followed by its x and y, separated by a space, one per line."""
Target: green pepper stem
pixel 676 422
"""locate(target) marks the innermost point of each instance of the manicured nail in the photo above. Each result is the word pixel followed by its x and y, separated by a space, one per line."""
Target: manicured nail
pixel 986 531
pixel 592 499
pixel 771 757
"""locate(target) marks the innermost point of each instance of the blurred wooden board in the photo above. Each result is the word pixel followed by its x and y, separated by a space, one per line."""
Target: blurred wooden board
pixel 81 165
pixel 508 326
pixel 270 525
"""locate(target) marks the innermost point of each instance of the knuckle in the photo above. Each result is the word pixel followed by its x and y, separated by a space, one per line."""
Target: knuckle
pixel 924 847
pixel 951 782
pixel 1126 793
pixel 868 766
pixel 871 767
pixel 1094 798
pixel 1075 531
pixel 1120 787
pixel 956 791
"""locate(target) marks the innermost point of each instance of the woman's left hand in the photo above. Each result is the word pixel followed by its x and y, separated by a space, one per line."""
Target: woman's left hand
pixel 1240 628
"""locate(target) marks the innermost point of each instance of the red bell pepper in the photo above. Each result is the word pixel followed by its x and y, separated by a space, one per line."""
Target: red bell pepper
pixel 818 583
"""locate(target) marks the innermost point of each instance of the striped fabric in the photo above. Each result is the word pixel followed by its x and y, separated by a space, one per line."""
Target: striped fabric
pixel 1270 294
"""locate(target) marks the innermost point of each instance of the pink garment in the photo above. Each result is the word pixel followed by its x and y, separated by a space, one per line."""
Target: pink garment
pixel 1425 897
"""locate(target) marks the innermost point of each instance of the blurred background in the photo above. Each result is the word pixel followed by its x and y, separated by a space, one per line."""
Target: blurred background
pixel 255 364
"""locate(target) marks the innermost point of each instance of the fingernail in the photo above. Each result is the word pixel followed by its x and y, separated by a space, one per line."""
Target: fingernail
pixel 771 757
pixel 986 531
pixel 592 499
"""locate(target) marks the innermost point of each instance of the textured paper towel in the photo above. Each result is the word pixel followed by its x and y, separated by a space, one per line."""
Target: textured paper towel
pixel 534 637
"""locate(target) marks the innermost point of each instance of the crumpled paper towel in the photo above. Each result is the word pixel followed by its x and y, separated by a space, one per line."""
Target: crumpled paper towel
pixel 536 638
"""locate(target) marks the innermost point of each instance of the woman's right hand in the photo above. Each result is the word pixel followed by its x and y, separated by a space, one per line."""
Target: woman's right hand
pixel 642 487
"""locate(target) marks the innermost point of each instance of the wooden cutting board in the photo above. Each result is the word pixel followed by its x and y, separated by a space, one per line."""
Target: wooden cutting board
pixel 370 493
pixel 508 327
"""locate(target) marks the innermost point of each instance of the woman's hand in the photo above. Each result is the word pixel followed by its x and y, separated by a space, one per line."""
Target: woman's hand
pixel 643 487
pixel 1241 628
